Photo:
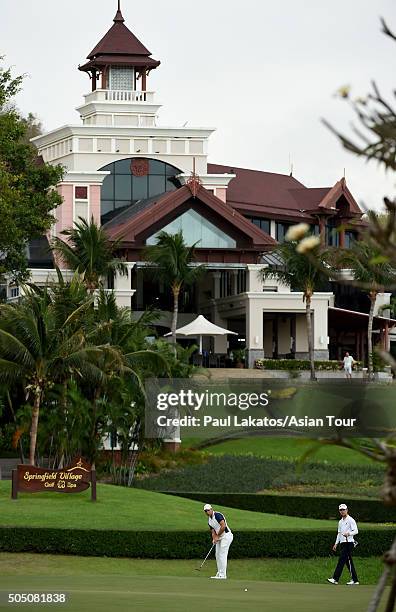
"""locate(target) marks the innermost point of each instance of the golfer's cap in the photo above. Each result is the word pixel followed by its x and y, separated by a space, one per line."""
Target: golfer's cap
pixel 207 507
pixel 342 507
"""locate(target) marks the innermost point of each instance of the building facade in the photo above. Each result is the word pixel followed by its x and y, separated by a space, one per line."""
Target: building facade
pixel 136 177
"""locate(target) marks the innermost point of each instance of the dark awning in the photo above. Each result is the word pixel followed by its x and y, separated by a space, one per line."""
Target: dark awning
pixel 353 320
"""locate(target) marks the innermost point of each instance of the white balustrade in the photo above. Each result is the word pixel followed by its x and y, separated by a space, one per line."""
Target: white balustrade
pixel 121 95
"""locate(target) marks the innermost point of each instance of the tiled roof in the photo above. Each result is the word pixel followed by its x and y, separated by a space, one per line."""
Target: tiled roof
pixel 253 191
pixel 120 45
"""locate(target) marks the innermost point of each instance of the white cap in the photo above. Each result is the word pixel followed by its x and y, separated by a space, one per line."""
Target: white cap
pixel 342 507
pixel 207 507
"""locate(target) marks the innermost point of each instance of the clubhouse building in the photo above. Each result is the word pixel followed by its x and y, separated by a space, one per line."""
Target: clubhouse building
pixel 136 178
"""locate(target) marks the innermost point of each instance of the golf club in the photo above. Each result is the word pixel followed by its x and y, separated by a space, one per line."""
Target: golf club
pixel 200 567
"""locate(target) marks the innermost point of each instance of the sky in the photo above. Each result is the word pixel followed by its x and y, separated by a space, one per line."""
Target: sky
pixel 263 73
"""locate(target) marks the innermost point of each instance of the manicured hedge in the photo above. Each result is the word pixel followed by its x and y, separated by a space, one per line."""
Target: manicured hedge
pixel 298 364
pixel 318 507
pixel 184 544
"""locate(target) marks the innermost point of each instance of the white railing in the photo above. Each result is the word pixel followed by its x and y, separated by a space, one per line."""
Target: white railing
pixel 121 95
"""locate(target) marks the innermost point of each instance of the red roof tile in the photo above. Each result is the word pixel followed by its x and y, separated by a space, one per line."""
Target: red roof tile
pixel 120 41
pixel 280 194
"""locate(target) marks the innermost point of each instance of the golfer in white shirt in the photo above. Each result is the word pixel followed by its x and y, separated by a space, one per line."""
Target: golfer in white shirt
pixel 347 528
pixel 222 537
pixel 348 363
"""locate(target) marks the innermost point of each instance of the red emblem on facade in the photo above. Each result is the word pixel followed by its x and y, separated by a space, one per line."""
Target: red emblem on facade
pixel 140 167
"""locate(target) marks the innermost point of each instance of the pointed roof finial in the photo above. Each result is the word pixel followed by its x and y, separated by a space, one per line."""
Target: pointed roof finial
pixel 119 17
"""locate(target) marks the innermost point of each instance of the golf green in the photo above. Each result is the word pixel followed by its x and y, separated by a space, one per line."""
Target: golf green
pixel 163 593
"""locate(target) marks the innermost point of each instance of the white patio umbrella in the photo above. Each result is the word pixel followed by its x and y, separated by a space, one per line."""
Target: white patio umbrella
pixel 202 327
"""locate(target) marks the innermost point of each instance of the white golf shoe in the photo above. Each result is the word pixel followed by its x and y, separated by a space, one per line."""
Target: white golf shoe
pixel 332 581
pixel 217 577
pixel 352 582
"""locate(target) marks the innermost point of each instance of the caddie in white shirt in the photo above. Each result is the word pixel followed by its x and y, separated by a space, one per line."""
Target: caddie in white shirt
pixel 222 537
pixel 347 528
pixel 348 363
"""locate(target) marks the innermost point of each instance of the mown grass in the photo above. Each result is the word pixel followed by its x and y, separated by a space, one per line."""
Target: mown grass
pixel 129 509
pixel 273 570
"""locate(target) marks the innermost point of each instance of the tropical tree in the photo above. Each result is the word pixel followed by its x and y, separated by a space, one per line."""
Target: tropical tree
pixel 88 251
pixel 174 265
pixel 27 197
pixel 373 273
pixel 300 272
pixel 37 352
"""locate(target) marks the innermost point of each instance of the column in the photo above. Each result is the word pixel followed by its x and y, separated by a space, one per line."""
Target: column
pixel 254 331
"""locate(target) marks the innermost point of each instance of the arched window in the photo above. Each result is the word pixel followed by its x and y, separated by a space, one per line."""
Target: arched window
pixel 132 180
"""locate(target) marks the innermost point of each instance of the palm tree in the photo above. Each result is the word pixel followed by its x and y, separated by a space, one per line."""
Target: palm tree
pixel 173 261
pixel 37 351
pixel 89 252
pixel 373 273
pixel 302 273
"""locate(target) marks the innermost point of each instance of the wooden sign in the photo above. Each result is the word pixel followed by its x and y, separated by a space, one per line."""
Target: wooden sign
pixel 73 479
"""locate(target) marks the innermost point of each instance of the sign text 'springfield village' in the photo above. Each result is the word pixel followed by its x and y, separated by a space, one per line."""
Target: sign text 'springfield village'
pixel 72 479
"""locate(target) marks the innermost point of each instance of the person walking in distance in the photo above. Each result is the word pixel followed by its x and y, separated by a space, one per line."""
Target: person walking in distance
pixel 347 528
pixel 222 537
pixel 348 363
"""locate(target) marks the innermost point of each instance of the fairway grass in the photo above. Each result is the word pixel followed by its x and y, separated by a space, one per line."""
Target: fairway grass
pixel 129 509
pixel 181 589
pixel 121 508
pixel 271 570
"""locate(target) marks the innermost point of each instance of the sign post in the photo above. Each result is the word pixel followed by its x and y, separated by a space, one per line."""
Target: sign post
pixel 72 479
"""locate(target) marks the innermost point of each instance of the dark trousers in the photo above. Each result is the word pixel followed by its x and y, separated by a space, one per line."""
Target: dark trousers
pixel 345 559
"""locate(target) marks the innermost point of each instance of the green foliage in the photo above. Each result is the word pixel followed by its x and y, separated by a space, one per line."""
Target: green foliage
pixel 298 364
pixel 89 252
pixel 175 545
pixel 82 367
pixel 309 506
pixel 298 271
pixel 172 259
pixel 251 474
pixel 26 195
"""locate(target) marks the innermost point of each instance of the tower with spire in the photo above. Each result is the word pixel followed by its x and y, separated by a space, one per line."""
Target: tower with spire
pixel 120 125
pixel 119 60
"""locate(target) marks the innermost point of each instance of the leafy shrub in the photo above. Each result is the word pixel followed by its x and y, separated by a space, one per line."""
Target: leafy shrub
pixel 304 506
pixel 298 364
pixel 175 544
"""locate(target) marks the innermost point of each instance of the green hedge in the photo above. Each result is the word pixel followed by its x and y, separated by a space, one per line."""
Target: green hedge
pixel 184 544
pixel 298 364
pixel 316 507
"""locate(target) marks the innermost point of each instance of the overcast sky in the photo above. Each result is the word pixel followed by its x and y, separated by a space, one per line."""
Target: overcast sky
pixel 262 72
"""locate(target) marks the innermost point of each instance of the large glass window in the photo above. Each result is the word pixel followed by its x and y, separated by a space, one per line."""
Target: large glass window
pixel 281 230
pixel 196 228
pixel 332 234
pixel 126 184
pixel 350 238
pixel 263 224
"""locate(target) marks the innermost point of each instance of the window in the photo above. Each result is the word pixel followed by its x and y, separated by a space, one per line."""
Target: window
pixel 196 228
pixel 122 188
pixel 350 238
pixel 241 281
pixel 332 234
pixel 263 224
pixel 281 230
pixel 122 78
pixel 81 206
